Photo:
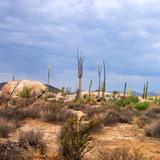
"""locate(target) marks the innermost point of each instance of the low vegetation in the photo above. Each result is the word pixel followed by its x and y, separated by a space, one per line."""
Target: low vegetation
pixel 7 126
pixel 121 153
pixel 153 130
pixel 142 105
pixel 26 92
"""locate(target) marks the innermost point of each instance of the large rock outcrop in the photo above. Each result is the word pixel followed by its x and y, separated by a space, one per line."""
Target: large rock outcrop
pixel 15 88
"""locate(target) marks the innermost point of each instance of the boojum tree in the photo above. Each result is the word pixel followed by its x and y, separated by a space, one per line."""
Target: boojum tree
pixel 80 60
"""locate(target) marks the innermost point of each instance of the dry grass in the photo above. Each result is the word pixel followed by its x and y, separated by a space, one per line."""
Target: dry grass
pixel 122 153
pixel 7 126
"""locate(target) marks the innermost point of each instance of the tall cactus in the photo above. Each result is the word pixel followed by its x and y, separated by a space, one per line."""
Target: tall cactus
pixel 49 74
pixel 48 80
pixel 99 79
pixel 13 78
pixel 80 59
pixel 124 91
pixel 90 86
pixel 104 80
pixel 144 90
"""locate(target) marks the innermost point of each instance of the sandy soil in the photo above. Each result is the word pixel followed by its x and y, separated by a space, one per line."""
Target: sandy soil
pixel 128 135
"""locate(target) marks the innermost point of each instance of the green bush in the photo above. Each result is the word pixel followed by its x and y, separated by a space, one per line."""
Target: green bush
pixel 126 101
pixel 26 92
pixel 142 105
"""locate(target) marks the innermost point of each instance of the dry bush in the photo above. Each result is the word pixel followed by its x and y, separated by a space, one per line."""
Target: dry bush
pixel 22 102
pixel 142 120
pixel 112 117
pixel 153 112
pixel 3 100
pixel 7 126
pixel 121 153
pixel 153 130
pixel 33 139
pixel 10 151
pixel 56 113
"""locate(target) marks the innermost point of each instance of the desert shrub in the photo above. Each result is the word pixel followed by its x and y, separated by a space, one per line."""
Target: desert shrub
pixel 26 92
pixel 33 112
pixel 7 126
pixel 126 101
pixel 153 130
pixel 3 99
pixel 153 112
pixel 142 120
pixel 121 153
pixel 89 99
pixel 157 101
pixel 32 138
pixel 142 105
pixel 10 151
pixel 55 112
pixel 74 138
pixel 91 111
pixel 13 113
pixel 112 116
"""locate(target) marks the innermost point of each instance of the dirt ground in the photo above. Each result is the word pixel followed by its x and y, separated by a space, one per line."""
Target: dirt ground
pixel 129 135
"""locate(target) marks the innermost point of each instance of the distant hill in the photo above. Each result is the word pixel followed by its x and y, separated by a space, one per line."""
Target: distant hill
pixel 140 94
pixel 53 89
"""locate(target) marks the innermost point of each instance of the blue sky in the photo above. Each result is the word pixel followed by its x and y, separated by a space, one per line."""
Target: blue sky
pixel 35 33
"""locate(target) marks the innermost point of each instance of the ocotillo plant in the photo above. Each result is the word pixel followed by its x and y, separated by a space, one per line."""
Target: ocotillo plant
pixel 90 86
pixel 125 88
pixel 104 81
pixel 144 90
pixel 99 79
pixel 80 59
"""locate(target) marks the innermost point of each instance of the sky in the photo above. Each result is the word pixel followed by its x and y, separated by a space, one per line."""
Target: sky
pixel 125 33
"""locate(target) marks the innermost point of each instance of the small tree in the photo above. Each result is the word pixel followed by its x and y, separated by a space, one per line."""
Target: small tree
pixel 99 79
pixel 80 59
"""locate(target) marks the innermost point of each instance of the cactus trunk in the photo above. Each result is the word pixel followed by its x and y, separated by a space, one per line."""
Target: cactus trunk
pixel 125 87
pixel 90 86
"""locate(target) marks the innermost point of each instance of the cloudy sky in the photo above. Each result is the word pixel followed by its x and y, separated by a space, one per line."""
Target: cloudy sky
pixel 126 33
